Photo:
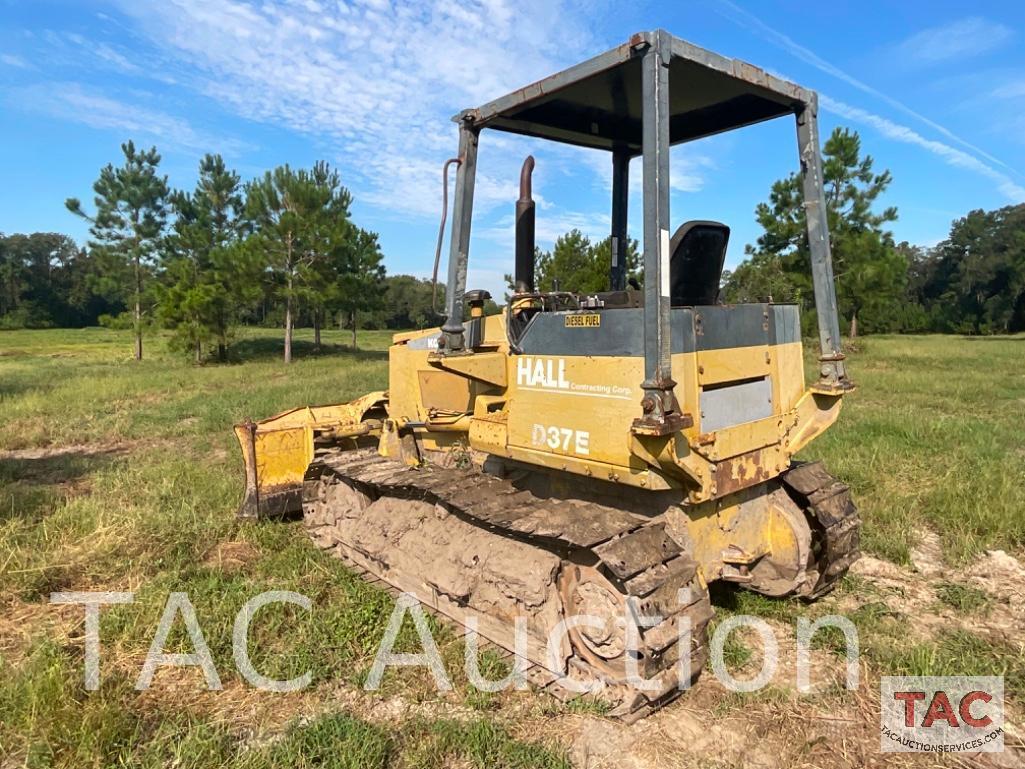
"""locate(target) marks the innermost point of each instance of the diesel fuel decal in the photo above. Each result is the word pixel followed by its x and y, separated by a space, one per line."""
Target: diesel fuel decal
pixel 591 320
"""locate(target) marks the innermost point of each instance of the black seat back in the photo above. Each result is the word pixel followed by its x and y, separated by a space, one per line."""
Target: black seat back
pixel 698 253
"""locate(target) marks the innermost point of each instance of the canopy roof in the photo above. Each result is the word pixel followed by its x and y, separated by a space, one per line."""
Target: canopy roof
pixel 598 103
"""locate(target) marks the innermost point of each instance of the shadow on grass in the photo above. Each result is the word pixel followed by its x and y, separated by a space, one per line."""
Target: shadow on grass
pixel 263 349
pixel 994 338
pixel 13 387
pixel 32 482
pixel 724 596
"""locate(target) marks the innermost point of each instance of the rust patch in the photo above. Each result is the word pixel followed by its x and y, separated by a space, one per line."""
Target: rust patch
pixel 741 472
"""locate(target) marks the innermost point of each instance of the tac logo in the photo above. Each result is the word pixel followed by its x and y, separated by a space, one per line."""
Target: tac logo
pixel 942 714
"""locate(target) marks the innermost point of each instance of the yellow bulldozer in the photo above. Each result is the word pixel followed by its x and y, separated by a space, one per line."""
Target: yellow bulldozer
pixel 606 454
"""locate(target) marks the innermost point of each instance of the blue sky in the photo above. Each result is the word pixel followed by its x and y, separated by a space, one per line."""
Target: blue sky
pixel 936 90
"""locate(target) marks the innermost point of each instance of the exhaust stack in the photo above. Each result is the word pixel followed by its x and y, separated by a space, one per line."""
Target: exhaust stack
pixel 525 231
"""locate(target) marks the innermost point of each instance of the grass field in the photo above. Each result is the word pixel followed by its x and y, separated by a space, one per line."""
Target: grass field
pixel 125 476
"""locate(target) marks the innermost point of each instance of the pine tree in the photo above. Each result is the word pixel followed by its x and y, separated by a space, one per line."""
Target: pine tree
pixel 297 219
pixel 576 264
pixel 209 277
pixel 331 241
pixel 358 285
pixel 128 226
pixel 870 272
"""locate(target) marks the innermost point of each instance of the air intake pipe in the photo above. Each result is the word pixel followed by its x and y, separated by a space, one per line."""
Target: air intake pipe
pixel 525 231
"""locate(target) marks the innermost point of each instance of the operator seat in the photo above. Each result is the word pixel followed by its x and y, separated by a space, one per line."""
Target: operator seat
pixel 695 268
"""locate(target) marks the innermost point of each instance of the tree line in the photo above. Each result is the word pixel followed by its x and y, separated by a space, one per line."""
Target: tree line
pixel 195 261
pixel 972 282
pixel 47 281
pixel 279 250
pixel 283 250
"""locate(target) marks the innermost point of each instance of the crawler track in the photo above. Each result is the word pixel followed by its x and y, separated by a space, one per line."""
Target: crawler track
pixel 470 544
pixel 836 527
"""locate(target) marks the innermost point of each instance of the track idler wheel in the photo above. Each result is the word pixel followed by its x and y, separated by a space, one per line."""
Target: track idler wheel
pixel 813 535
pixel 587 593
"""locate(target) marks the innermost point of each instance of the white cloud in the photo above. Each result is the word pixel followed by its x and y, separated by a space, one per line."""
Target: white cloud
pixel 549 227
pixel 950 155
pixel 1011 90
pixel 746 19
pixel 112 57
pixel 376 82
pixel 14 61
pixel 959 40
pixel 687 167
pixel 70 101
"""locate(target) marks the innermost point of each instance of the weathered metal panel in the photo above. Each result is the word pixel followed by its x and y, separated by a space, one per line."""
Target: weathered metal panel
pixel 786 324
pixel 721 326
pixel 747 470
pixel 621 331
pixel 735 404
pixel 657 365
pixel 739 69
pixel 552 83
pixel 599 102
pixel 620 204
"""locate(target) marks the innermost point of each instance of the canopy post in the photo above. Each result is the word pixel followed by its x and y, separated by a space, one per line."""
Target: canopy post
pixel 452 332
pixel 661 415
pixel 620 201
pixel 832 373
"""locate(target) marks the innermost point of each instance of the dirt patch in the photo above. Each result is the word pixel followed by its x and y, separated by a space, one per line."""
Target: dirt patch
pixel 927 554
pixel 98 449
pixel 711 727
pixel 67 466
pixel 55 452
pixel 916 592
pixel 1002 576
pixel 231 556
pixel 22 623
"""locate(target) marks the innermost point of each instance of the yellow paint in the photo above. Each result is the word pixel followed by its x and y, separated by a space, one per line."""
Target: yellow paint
pixel 489 367
pixel 278 450
pixel 719 366
pixel 568 413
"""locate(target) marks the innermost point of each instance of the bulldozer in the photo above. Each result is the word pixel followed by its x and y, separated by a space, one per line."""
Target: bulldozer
pixel 606 454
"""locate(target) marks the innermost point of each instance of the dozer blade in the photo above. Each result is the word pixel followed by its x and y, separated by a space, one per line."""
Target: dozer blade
pixel 277 450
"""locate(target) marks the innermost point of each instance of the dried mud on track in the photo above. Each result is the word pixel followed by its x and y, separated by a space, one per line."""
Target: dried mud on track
pixel 830 728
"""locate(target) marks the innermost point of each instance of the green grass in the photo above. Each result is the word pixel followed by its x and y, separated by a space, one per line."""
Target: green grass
pixel 960 653
pixel 933 437
pixel 143 500
pixel 963 598
pixel 52 721
pixel 143 495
